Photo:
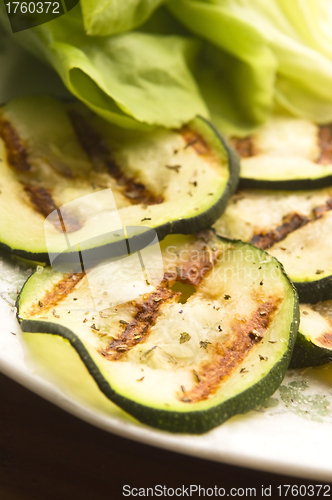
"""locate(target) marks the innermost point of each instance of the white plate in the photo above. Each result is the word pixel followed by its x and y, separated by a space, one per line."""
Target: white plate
pixel 291 434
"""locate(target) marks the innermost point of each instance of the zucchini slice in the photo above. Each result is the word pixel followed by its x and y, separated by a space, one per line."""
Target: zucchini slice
pixel 54 154
pixel 212 340
pixel 295 227
pixel 314 340
pixel 286 153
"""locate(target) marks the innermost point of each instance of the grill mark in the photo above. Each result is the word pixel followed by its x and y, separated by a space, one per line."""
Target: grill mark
pixel 196 141
pixel 291 222
pixel 58 293
pixel 138 330
pixel 325 339
pixel 149 309
pixel 228 356
pixel 244 146
pixel 101 158
pixel 192 273
pixel 42 201
pixel 319 211
pixel 17 155
pixel 325 144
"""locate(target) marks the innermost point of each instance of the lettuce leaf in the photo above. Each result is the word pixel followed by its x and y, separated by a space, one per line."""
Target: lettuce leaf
pixel 139 65
pixel 109 17
pixel 132 79
pixel 278 52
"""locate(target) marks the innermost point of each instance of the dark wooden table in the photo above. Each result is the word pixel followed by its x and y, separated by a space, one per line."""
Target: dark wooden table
pixel 47 454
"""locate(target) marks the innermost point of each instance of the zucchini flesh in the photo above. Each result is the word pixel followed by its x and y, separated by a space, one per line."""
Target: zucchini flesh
pixel 314 340
pixel 294 227
pixel 214 339
pixel 54 153
pixel 286 153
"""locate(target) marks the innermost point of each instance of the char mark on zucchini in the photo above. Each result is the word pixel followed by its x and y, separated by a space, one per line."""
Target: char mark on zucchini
pixel 138 330
pixel 291 222
pixel 58 293
pixel 43 203
pixel 192 270
pixel 196 141
pixel 325 339
pixel 18 158
pixel 101 158
pixel 319 211
pixel 325 144
pixel 226 358
pixel 192 273
pixel 147 312
pixel 41 199
pixel 244 146
pixel 17 155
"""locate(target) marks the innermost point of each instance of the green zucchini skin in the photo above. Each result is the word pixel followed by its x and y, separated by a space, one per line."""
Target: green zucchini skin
pixel 40 257
pixel 306 353
pixel 182 220
pixel 195 422
pixel 312 292
pixel 285 185
pixel 315 330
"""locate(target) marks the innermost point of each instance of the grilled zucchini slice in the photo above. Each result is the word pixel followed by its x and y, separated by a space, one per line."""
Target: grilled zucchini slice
pixel 53 154
pixel 212 340
pixel 294 227
pixel 286 153
pixel 314 340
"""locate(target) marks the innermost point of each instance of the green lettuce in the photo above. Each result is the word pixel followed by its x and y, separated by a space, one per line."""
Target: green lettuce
pixel 132 79
pixel 139 65
pixel 278 52
pixel 109 17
